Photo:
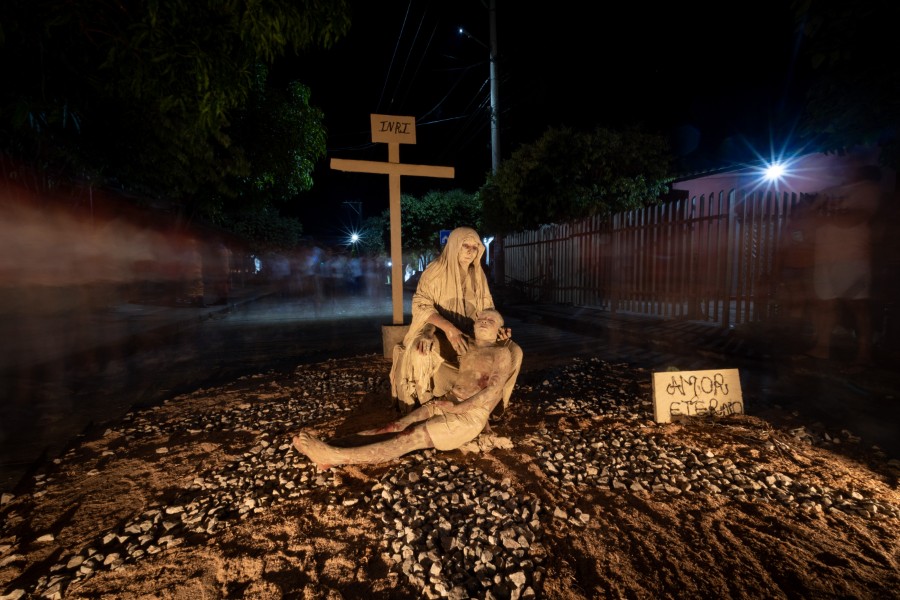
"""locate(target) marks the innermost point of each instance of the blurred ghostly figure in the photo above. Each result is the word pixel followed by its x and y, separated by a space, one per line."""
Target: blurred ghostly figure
pixel 795 261
pixel 191 274
pixel 355 275
pixel 313 273
pixel 842 273
pixel 220 273
pixel 279 272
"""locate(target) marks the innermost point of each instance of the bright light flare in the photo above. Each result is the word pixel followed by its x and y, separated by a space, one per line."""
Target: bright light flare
pixel 778 169
pixel 775 171
pixel 352 237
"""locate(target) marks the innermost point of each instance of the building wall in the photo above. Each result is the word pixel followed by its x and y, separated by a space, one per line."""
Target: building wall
pixel 807 174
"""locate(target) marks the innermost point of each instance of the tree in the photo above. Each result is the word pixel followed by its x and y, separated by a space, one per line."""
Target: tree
pixel 264 229
pixel 567 175
pixel 422 219
pixel 853 97
pixel 281 138
pixel 374 235
pixel 145 91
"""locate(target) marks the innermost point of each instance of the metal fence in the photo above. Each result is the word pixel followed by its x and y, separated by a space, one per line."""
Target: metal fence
pixel 705 258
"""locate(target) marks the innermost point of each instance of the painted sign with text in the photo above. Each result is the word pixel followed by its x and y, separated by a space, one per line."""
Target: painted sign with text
pixel 391 129
pixel 696 393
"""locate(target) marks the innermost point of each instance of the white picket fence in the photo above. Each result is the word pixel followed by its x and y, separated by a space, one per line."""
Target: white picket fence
pixel 704 258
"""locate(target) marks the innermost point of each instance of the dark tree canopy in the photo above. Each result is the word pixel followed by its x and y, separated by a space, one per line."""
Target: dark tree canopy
pixel 263 229
pixel 854 95
pixel 567 175
pixel 147 93
pixel 281 137
pixel 422 219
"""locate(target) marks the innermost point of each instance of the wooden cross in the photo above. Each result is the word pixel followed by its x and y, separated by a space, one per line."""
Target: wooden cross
pixel 393 131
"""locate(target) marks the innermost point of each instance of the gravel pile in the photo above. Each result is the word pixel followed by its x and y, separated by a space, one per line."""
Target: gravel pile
pixel 452 531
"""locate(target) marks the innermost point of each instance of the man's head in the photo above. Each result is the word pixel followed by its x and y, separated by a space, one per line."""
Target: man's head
pixel 487 324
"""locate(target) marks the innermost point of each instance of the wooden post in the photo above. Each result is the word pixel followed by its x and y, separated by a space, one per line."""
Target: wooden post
pixel 393 131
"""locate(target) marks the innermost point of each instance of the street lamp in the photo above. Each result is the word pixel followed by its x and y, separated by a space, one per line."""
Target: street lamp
pixel 353 239
pixel 495 111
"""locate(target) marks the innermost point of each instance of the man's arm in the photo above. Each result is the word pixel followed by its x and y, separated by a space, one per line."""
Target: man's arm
pixel 456 337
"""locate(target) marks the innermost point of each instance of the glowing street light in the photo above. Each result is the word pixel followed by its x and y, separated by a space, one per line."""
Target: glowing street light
pixel 353 239
pixel 775 171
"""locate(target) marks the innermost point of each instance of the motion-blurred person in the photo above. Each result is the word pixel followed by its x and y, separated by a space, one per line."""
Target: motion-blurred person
pixel 191 274
pixel 220 273
pixel 842 273
pixel 794 263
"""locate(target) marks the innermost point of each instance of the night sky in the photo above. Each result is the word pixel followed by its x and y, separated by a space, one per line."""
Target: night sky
pixel 719 80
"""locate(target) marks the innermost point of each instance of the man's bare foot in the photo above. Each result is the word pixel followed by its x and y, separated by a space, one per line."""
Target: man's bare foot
pixel 389 428
pixel 320 453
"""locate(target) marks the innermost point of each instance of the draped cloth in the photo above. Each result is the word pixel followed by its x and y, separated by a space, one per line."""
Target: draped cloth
pixel 456 296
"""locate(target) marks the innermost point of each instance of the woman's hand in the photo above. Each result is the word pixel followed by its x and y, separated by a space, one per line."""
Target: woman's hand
pixel 457 339
pixel 424 344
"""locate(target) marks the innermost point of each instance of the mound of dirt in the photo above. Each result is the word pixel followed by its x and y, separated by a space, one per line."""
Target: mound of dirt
pixel 204 497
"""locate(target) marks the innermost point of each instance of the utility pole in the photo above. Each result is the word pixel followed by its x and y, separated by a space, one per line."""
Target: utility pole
pixel 495 84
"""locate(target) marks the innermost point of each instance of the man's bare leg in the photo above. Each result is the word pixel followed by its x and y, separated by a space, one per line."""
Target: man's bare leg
pixel 326 456
pixel 422 413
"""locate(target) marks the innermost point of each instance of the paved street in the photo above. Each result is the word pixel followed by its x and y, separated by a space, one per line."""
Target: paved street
pixel 66 371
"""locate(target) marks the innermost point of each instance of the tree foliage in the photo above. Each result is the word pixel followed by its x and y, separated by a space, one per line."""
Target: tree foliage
pixel 854 95
pixel 374 235
pixel 282 137
pixel 145 92
pixel 567 175
pixel 422 219
pixel 264 229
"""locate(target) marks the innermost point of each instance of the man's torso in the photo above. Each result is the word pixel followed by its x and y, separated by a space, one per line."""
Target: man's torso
pixel 476 367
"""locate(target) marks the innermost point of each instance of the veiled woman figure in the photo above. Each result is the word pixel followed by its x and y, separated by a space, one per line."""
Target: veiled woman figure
pixel 451 291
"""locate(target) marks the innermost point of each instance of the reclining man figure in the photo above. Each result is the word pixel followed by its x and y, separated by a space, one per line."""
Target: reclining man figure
pixel 444 423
